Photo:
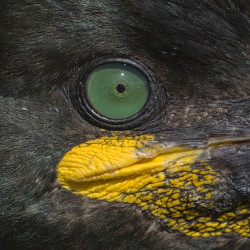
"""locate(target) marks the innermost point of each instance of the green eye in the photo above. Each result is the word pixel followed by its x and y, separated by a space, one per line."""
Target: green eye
pixel 117 90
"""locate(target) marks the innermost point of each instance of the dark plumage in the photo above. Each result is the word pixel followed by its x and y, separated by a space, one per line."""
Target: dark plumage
pixel 198 50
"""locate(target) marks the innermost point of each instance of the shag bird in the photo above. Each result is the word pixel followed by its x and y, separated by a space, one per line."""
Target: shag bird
pixel 125 124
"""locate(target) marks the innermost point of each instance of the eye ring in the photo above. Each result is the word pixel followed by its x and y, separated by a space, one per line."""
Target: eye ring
pixel 83 90
pixel 79 99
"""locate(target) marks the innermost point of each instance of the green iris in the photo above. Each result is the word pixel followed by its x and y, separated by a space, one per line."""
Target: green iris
pixel 117 90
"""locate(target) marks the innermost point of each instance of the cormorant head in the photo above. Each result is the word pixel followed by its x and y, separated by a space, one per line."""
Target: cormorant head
pixel 125 124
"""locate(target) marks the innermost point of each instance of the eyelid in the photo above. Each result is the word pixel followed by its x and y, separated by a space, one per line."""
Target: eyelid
pixel 151 111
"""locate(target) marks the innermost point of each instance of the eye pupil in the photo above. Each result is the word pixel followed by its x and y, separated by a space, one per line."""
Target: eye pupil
pixel 121 88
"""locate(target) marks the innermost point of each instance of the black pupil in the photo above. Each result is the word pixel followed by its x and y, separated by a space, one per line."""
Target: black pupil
pixel 120 88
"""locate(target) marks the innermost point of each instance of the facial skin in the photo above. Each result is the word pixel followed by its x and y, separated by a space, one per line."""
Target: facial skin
pixel 197 55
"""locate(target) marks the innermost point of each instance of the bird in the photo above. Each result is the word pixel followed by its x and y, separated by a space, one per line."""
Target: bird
pixel 125 124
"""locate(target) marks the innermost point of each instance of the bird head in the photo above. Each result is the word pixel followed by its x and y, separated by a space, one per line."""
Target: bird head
pixel 125 125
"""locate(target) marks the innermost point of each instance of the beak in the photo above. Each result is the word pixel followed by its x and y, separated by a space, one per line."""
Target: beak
pixel 189 188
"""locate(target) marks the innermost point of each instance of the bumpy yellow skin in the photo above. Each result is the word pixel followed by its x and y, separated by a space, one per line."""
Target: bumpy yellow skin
pixel 157 177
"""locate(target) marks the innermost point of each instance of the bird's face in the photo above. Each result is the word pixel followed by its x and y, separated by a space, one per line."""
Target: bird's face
pixel 125 124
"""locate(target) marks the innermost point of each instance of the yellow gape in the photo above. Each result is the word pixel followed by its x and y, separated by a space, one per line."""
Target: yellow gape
pixel 159 177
